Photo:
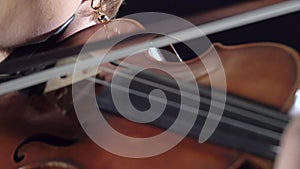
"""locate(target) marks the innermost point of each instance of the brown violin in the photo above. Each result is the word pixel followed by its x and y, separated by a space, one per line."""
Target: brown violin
pixel 50 131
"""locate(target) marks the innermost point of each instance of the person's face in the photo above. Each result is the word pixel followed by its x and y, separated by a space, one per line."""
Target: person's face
pixel 23 20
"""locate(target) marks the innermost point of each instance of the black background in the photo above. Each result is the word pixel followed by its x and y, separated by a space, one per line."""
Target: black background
pixel 284 29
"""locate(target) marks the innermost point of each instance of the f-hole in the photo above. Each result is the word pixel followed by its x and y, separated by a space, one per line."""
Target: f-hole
pixel 42 138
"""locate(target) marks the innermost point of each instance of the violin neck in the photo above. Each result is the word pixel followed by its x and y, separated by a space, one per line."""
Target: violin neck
pixel 243 125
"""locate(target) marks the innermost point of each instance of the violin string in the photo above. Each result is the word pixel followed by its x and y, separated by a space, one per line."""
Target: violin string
pixel 190 95
pixel 236 102
pixel 234 110
pixel 226 120
pixel 276 121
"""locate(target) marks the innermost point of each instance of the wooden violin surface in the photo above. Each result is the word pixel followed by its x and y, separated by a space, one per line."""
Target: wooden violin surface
pixel 252 70
pixel 86 154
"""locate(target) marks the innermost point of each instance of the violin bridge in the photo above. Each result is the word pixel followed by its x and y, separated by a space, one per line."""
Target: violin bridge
pixel 60 82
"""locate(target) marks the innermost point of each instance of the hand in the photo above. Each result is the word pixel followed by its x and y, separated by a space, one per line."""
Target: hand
pixel 290 147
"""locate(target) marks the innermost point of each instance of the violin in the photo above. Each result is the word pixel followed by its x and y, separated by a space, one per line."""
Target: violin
pixel 43 130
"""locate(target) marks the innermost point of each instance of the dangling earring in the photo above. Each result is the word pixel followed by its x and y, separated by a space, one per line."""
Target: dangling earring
pixel 101 16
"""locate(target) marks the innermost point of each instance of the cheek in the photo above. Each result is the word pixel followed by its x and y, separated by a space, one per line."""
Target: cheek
pixel 14 23
pixel 7 15
pixel 4 5
pixel 7 7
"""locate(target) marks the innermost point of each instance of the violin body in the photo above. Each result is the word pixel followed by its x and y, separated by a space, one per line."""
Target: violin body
pixel 42 131
pixel 86 154
pixel 253 79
